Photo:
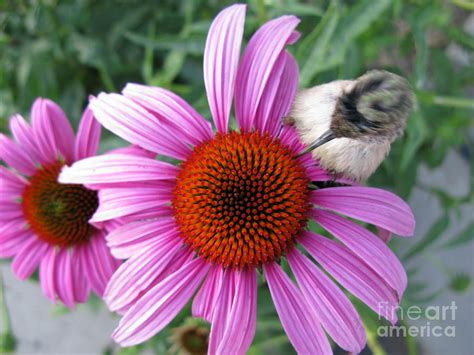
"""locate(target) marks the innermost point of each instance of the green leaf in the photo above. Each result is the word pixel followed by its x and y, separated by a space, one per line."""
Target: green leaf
pixel 466 236
pixel 192 45
pixel 311 56
pixel 434 233
pixel 421 58
pixel 171 68
pixel 298 9
pixel 460 283
pixel 416 132
pixel 461 37
pixel 356 21
pixel 7 343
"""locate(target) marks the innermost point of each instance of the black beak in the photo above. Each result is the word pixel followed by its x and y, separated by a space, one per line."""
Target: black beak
pixel 323 139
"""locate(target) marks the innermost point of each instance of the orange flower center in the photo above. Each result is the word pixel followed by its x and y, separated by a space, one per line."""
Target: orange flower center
pixel 241 199
pixel 58 213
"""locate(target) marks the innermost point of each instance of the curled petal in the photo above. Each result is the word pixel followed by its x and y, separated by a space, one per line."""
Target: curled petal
pixel 278 95
pixel 134 123
pixel 172 110
pixel 256 66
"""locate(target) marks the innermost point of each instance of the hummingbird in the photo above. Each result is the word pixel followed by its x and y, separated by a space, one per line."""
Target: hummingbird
pixel 349 125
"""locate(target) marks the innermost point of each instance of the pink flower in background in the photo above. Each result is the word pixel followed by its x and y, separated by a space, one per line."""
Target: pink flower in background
pixel 237 202
pixel 44 223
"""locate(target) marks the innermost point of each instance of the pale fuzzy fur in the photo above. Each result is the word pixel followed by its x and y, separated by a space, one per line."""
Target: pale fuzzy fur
pixel 311 115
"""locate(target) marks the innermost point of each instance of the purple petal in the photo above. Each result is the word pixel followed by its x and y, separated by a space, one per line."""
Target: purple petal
pixel 14 156
pixel 290 138
pixel 205 300
pixel 149 213
pixel 8 197
pixel 298 320
pixel 10 210
pixel 384 234
pixel 336 313
pixel 88 136
pixel 11 183
pixel 367 246
pixel 13 236
pixel 63 278
pixel 97 263
pixel 171 110
pixel 129 239
pixel 28 258
pixel 138 272
pixel 115 168
pixel 24 135
pixel 352 273
pixel 223 306
pixel 262 116
pixel 115 203
pixel 46 275
pixel 135 124
pixel 278 95
pixel 284 96
pixel 160 305
pixel 182 257
pixel 221 59
pixel 256 66
pixel 79 281
pixel 368 204
pixel 53 131
pixel 241 324
pixel 133 150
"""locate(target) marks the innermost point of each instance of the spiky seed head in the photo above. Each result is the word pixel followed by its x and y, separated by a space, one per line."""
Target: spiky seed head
pixel 375 108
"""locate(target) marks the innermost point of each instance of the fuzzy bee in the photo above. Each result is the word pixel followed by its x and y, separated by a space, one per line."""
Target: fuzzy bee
pixel 349 125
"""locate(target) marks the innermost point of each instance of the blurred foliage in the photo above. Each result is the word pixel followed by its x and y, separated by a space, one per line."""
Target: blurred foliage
pixel 66 50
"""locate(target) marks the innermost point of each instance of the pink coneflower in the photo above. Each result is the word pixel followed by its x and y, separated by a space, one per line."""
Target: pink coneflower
pixel 237 202
pixel 44 223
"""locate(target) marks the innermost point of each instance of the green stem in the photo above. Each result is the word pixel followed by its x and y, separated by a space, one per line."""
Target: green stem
pixel 453 101
pixel 410 341
pixel 106 79
pixel 373 343
pixel 147 69
pixel 7 326
pixel 7 339
pixel 261 12
pixel 465 4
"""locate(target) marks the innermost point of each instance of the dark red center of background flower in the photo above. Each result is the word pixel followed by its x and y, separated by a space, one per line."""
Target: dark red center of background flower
pixel 241 199
pixel 58 213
